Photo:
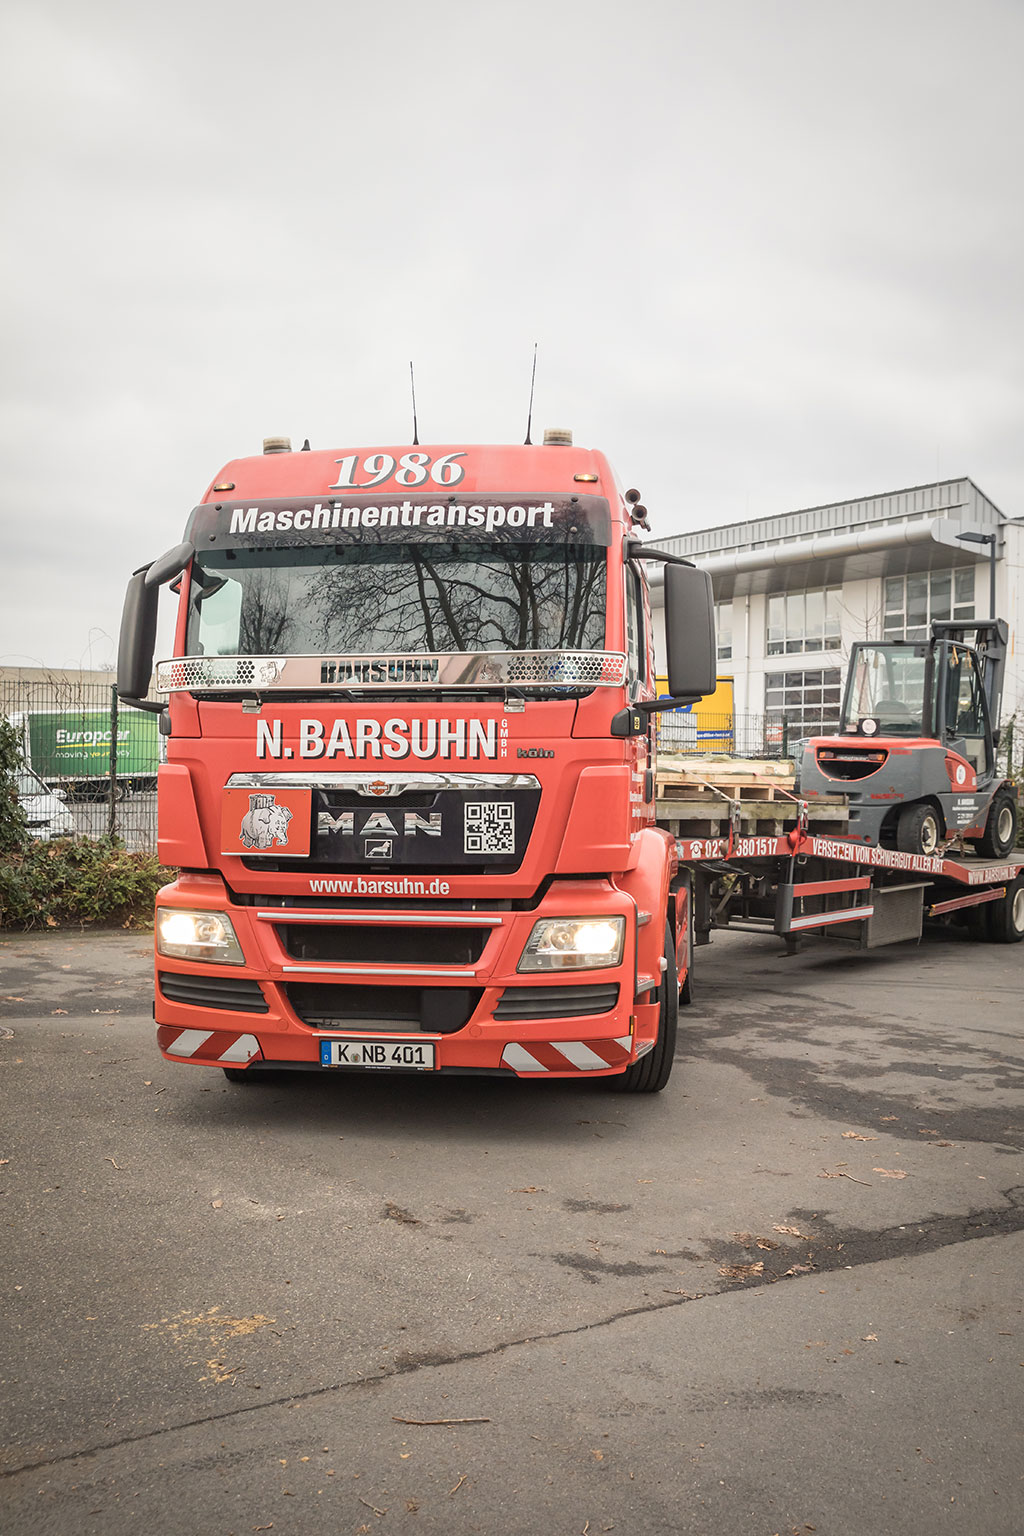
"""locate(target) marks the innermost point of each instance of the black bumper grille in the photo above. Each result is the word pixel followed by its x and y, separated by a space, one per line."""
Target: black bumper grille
pixel 384 943
pixel 233 992
pixel 338 1006
pixel 556 1002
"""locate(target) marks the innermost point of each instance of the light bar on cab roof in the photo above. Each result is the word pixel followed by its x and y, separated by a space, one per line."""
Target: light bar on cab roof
pixel 452 669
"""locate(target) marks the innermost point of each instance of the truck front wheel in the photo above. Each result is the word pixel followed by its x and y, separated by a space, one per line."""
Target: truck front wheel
pixel 652 1072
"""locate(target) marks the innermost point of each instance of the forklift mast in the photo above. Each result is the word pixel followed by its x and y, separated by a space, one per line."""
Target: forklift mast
pixel 989 638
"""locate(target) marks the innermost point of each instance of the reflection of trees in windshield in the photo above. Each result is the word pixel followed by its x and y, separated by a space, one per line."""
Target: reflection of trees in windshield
pixel 440 601
pixel 405 598
pixel 264 620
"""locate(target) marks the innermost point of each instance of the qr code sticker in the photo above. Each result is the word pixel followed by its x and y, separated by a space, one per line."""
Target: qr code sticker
pixel 490 827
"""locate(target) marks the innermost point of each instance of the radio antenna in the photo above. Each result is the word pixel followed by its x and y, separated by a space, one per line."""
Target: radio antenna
pixel 533 380
pixel 415 428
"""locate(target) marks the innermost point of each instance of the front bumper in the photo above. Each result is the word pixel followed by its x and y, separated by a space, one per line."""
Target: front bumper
pixel 481 1015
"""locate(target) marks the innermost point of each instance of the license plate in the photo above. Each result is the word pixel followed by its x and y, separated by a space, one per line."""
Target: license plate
pixel 381 1055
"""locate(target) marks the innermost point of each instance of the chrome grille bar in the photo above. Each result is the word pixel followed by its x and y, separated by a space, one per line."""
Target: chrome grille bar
pixel 469 670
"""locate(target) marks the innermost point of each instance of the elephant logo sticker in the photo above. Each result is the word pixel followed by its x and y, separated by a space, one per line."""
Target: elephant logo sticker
pixel 264 823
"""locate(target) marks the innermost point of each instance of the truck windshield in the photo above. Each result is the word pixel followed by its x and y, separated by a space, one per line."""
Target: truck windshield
pixel 887 683
pixel 395 598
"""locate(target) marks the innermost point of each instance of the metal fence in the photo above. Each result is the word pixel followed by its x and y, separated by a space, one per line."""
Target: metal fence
pixel 730 735
pixel 90 761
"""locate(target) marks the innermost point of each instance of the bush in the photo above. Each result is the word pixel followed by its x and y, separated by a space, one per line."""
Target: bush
pixel 70 879
pixel 13 825
pixel 78 880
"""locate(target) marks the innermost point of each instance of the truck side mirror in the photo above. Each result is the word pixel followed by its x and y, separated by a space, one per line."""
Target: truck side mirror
pixel 137 640
pixel 170 565
pixel 692 661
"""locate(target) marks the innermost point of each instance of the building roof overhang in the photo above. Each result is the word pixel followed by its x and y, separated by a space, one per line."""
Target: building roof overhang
pixel 833 558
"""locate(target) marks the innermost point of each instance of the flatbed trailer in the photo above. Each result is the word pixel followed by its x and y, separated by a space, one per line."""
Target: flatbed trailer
pixel 760 859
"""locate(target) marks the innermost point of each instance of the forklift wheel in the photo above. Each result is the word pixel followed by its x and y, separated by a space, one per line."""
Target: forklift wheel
pixel 918 829
pixel 1000 832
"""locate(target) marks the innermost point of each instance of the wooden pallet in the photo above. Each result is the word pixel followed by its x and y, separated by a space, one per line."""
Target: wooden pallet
pixel 726 770
pixel 703 797
pixel 673 788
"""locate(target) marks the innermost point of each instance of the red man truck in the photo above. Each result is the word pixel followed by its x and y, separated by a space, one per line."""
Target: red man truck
pixel 410 776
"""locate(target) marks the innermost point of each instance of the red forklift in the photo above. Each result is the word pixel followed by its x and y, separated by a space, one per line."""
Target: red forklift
pixel 916 749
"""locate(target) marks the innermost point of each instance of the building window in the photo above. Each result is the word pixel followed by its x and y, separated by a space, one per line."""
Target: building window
pixel 913 602
pixel 808 701
pixel 723 629
pixel 803 621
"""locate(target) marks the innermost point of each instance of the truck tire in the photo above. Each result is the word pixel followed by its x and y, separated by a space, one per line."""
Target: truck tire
pixel 1006 917
pixel 978 921
pixel 918 828
pixel 652 1072
pixel 1000 832
pixel 686 990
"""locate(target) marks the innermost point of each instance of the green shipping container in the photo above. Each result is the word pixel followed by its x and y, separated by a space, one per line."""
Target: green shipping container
pixel 75 744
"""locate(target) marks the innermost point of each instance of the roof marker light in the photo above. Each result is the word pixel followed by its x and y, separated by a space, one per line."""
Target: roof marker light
pixel 589 479
pixel 225 485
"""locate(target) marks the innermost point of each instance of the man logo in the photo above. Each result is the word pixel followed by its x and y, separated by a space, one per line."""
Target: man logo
pixel 379 848
pixel 264 823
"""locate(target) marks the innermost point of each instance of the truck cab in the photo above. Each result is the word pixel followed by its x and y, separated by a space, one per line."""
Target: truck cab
pixel 410 767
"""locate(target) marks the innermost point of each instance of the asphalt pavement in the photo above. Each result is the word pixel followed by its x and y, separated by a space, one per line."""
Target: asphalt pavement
pixel 784 1296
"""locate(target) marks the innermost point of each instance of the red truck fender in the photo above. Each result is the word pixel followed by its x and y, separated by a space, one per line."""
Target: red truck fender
pixel 649 884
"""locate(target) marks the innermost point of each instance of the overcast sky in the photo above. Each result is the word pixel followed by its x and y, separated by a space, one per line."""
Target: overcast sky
pixel 772 253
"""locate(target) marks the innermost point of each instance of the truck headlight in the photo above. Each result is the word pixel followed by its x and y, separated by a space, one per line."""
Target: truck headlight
pixel 197 936
pixel 574 943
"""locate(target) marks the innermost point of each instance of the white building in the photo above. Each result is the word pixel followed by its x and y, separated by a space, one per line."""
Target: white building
pixel 793 592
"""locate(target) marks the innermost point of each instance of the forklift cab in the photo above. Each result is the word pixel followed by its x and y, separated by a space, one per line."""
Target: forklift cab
pixel 962 721
pixel 919 691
